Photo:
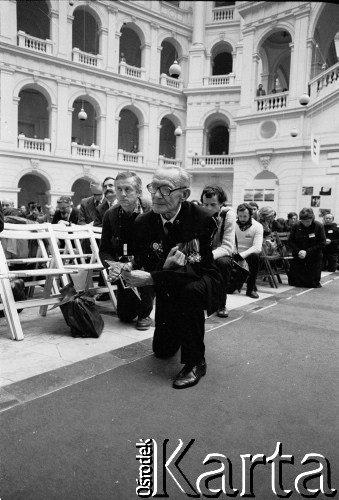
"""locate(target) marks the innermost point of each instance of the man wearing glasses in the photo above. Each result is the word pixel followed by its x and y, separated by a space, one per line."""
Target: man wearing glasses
pixel 174 254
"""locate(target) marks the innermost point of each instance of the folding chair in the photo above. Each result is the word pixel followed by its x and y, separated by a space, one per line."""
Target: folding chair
pixel 271 266
pixel 74 238
pixel 47 254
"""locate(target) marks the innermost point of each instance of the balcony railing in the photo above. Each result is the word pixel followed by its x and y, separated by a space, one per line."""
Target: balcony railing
pixel 34 145
pixel 166 162
pixel 219 80
pixel 168 81
pixel 327 78
pixel 223 14
pixel 126 69
pixel 272 102
pixel 33 43
pixel 94 60
pixel 81 151
pixel 131 158
pixel 211 161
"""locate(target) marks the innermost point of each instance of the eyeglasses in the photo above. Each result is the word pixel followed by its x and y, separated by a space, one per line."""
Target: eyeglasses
pixel 163 190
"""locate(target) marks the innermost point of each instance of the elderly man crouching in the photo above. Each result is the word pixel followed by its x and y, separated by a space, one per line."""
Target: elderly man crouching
pixel 174 254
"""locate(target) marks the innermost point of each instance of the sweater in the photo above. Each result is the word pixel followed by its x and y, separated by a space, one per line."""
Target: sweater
pixel 250 240
pixel 223 244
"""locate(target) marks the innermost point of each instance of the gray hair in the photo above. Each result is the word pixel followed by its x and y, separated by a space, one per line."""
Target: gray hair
pixel 127 174
pixel 184 178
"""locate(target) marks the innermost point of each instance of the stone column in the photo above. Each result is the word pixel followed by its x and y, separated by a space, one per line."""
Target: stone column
pixel 111 128
pixel 154 71
pixel 8 24
pixel 112 41
pixel 299 62
pixel 8 110
pixel 198 23
pixel 64 121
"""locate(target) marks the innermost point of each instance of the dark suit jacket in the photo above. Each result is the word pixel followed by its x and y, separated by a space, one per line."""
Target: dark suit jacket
pixel 88 210
pixel 73 218
pixel 101 210
pixel 111 232
pixel 1 218
pixel 153 245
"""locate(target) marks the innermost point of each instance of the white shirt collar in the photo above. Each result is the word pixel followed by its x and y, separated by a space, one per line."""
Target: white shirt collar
pixel 170 220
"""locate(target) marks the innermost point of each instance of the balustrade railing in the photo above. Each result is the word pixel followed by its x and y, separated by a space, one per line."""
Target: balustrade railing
pixel 325 79
pixel 166 162
pixel 126 69
pixel 211 161
pixel 168 81
pixel 34 145
pixel 223 13
pixel 271 102
pixel 132 158
pixel 82 151
pixel 33 43
pixel 219 80
pixel 81 57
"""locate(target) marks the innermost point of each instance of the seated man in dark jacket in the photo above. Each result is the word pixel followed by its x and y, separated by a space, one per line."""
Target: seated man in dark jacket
pixel 174 254
pixel 117 246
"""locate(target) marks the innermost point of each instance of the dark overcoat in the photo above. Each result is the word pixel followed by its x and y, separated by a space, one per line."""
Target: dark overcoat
pixel 193 230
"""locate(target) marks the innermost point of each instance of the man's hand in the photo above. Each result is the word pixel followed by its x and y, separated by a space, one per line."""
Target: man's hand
pixel 174 259
pixel 114 270
pixel 302 254
pixel 137 278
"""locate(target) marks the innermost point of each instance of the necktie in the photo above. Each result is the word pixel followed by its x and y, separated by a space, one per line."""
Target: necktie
pixel 168 227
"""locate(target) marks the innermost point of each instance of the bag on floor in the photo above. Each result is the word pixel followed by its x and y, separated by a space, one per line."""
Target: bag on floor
pixel 18 290
pixel 81 314
pixel 239 275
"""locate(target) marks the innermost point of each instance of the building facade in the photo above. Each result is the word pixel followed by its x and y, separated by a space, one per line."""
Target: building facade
pixel 92 87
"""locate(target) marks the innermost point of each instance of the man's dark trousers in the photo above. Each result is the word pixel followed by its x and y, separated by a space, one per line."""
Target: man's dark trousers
pixel 180 321
pixel 225 267
pixel 129 306
pixel 253 264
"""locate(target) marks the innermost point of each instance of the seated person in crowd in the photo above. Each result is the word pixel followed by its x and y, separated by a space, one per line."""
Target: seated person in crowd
pixel 117 245
pixel 249 239
pixel 213 198
pixel 307 240
pixel 174 254
pixel 35 213
pixel 266 217
pixel 292 218
pixel 109 200
pixel 65 213
pixel 330 252
pixel 255 209
pixel 88 206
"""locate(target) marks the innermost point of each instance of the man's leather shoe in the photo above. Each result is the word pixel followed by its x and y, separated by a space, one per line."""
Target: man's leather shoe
pixel 189 375
pixel 102 297
pixel 252 294
pixel 222 313
pixel 143 323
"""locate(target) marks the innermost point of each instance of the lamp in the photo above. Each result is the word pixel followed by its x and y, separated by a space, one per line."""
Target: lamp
pixel 304 99
pixel 82 115
pixel 175 69
pixel 294 132
pixel 178 131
